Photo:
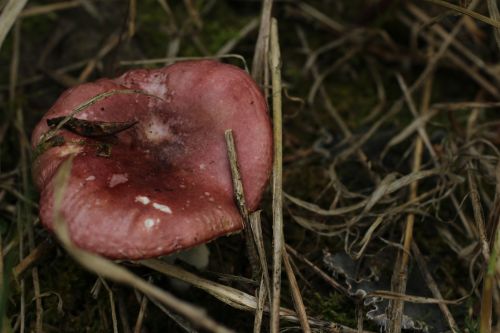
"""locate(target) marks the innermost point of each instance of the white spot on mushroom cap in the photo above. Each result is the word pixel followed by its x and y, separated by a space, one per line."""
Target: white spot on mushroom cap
pixel 150 223
pixel 157 131
pixel 202 166
pixel 155 85
pixel 90 178
pixel 117 179
pixel 142 199
pixel 162 208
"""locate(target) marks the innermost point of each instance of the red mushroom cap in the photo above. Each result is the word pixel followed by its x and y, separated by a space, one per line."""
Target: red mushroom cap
pixel 166 184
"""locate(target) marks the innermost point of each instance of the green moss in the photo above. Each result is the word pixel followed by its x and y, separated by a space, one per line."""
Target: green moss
pixel 220 32
pixel 151 31
pixel 334 307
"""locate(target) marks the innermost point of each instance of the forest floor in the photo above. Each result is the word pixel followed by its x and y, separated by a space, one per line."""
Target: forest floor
pixel 391 140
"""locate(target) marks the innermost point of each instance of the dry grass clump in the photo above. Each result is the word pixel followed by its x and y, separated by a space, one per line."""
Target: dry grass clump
pixel 384 203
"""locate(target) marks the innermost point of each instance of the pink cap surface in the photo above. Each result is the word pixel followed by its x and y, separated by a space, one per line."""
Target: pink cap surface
pixel 167 184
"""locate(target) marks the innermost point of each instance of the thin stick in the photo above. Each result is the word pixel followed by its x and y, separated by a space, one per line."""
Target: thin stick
pixel 260 62
pixel 22 210
pixel 140 316
pixel 155 61
pixel 433 287
pixel 132 13
pixel 259 310
pixel 458 61
pixel 256 226
pixel 239 195
pixel 457 44
pixel 32 258
pixel 110 44
pixel 277 182
pixel 466 11
pixel 328 279
pixel 46 9
pixel 401 269
pixel 112 305
pixel 297 297
pixel 478 211
pixel 495 15
pixel 488 288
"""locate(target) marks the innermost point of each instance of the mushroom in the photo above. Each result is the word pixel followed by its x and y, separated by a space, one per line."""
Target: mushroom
pixel 159 180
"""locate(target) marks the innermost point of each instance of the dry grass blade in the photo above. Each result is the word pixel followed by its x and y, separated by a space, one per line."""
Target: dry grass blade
pixel 400 274
pixel 112 271
pixel 111 43
pixel 232 296
pixel 32 258
pixel 492 270
pixel 493 22
pixel 336 285
pixel 46 9
pixel 132 14
pixel 185 325
pixel 367 237
pixel 433 287
pixel 8 16
pixel 326 97
pixel 478 211
pixel 112 305
pixel 141 314
pixel 297 297
pixel 260 60
pixel 457 44
pixel 485 321
pixel 245 31
pixel 465 105
pixel 156 61
pixel 24 216
pixel 390 185
pixel 228 295
pixel 370 174
pixel 321 17
pixel 416 125
pixel 412 298
pixel 123 314
pixel 256 226
pixel 239 196
pixel 495 15
pixel 277 179
pixel 261 302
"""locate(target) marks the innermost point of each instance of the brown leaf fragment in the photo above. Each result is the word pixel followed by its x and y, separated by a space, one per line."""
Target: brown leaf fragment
pixel 103 150
pixel 91 129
